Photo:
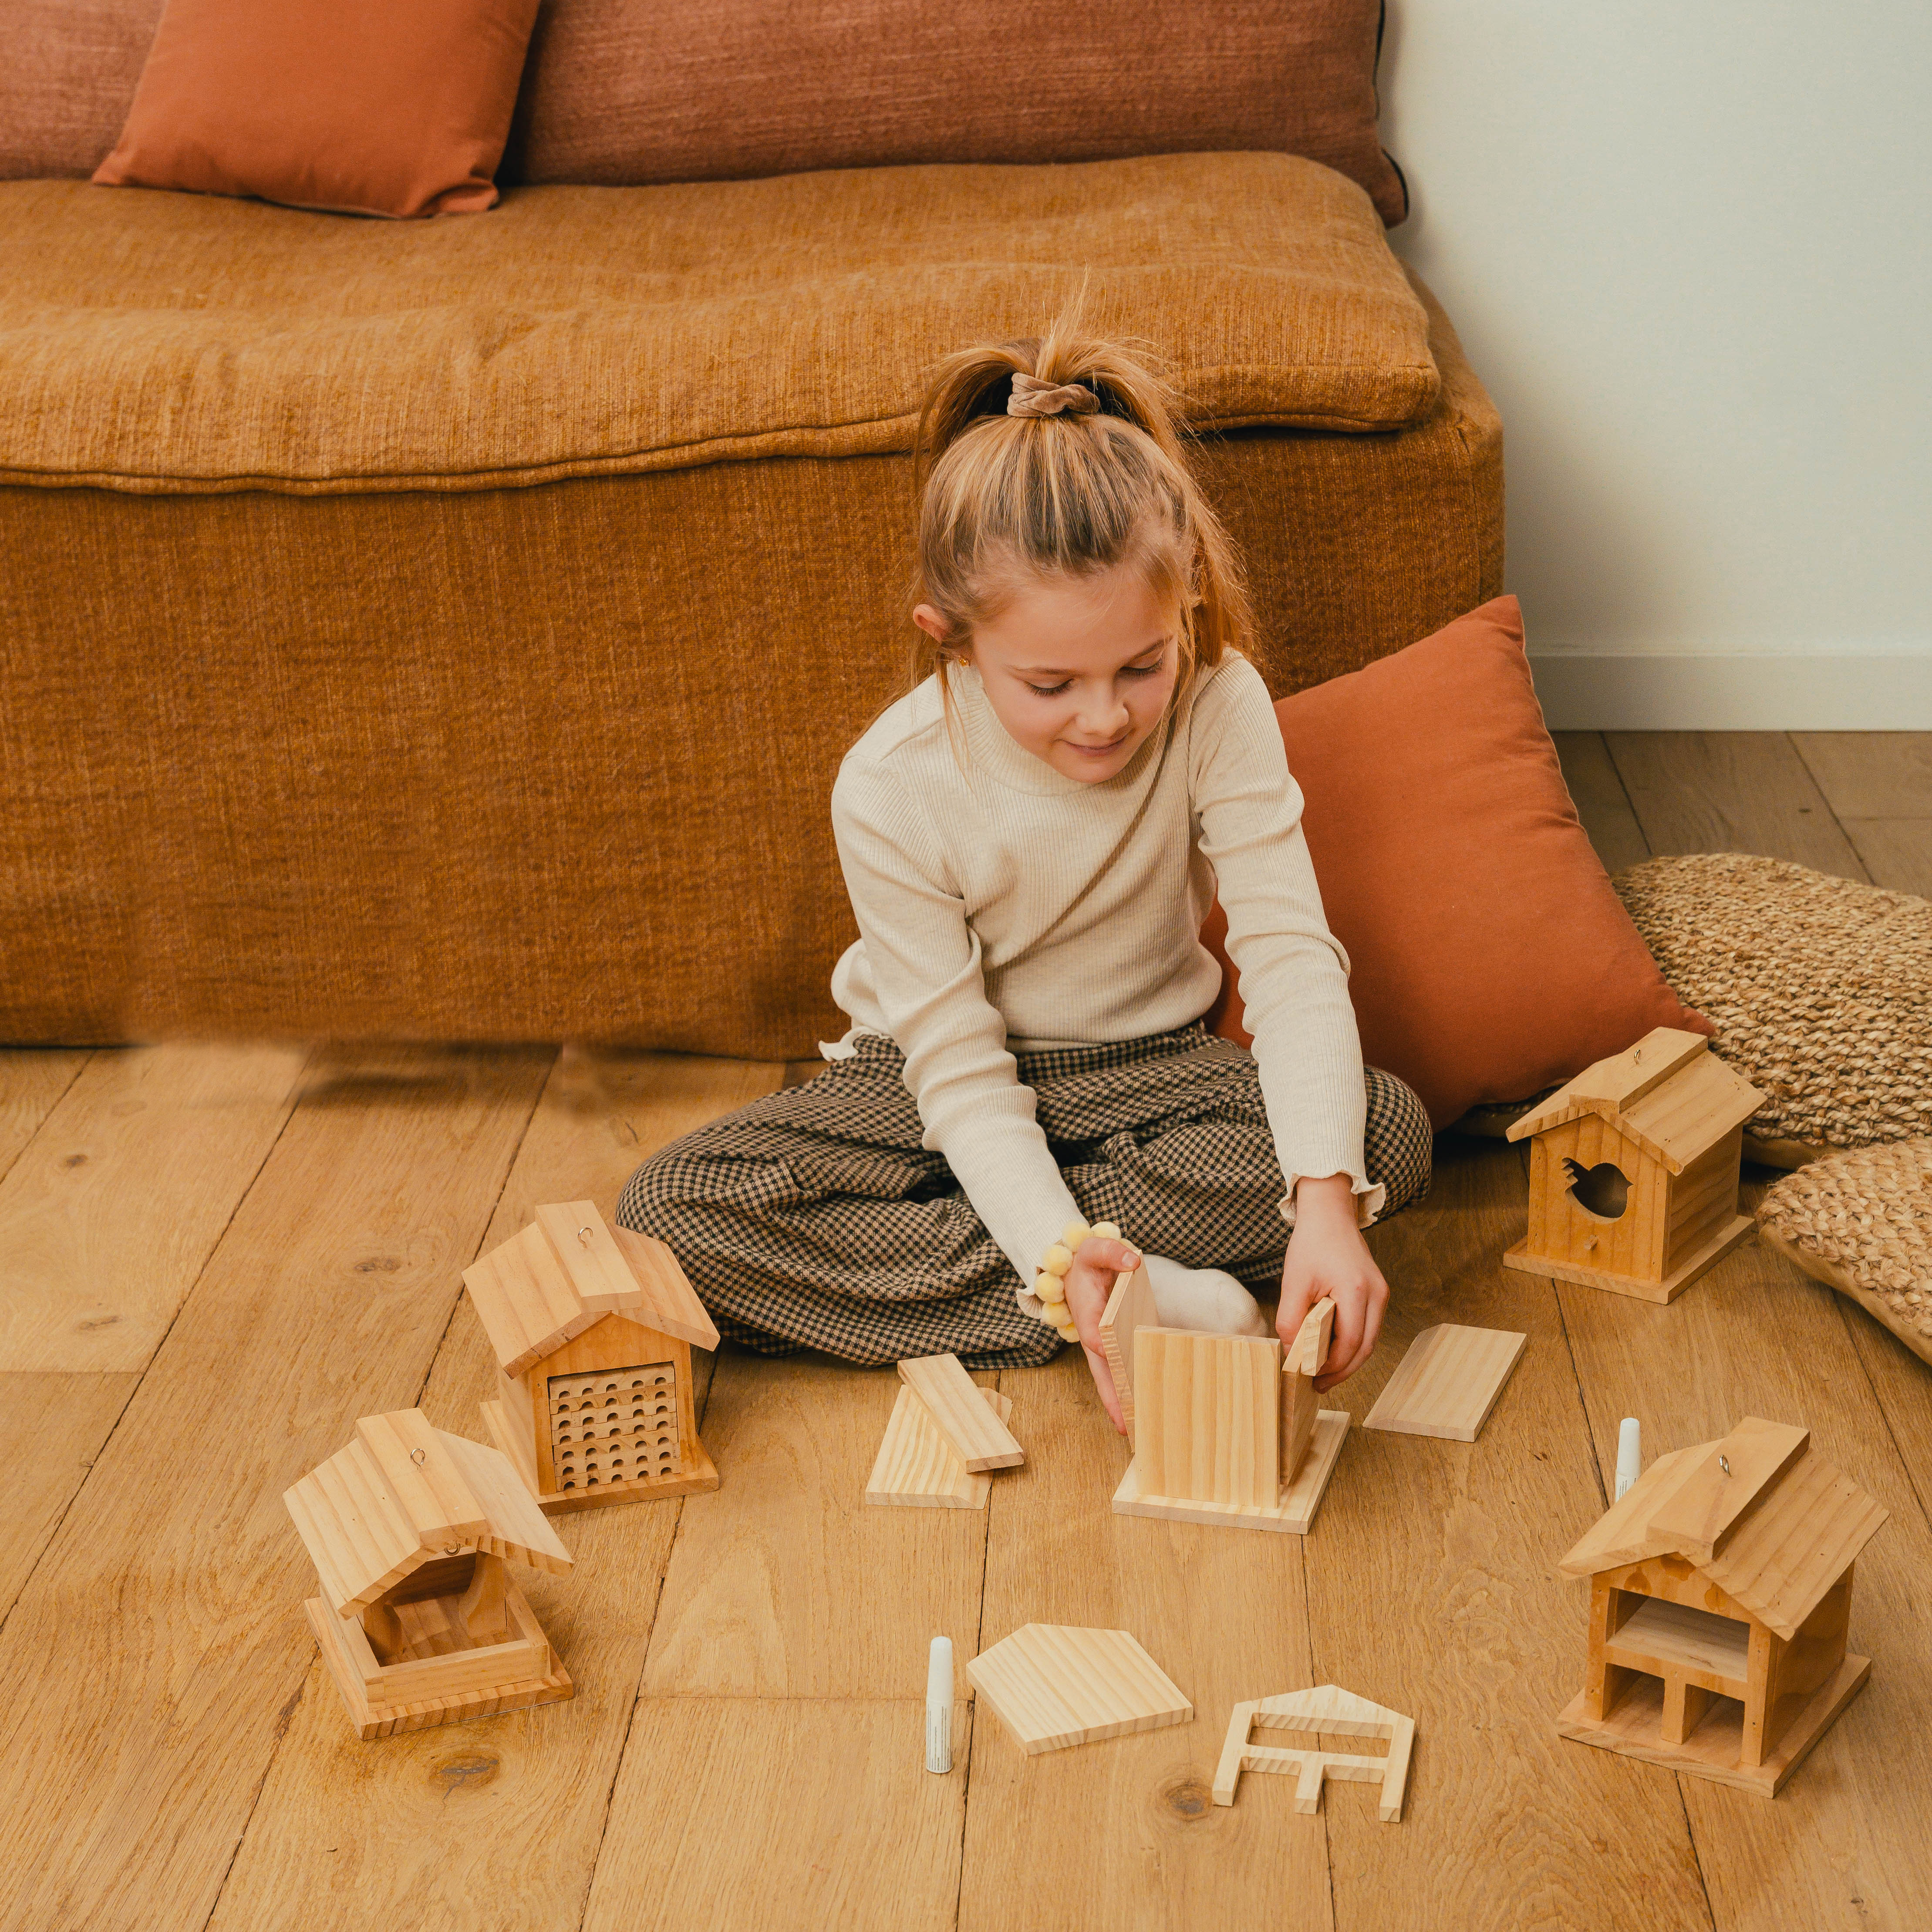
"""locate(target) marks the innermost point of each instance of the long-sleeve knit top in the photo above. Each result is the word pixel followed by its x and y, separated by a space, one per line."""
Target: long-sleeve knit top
pixel 1002 905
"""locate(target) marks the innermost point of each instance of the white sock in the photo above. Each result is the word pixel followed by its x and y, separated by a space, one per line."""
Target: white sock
pixel 1204 1299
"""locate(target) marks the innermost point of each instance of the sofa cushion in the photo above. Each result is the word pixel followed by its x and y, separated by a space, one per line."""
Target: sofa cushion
pixel 67 79
pixel 158 342
pixel 629 90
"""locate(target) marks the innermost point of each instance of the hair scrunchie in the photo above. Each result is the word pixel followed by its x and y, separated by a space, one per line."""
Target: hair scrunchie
pixel 1033 397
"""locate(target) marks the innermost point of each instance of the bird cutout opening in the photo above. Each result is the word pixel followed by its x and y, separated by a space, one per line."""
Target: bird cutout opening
pixel 1603 1190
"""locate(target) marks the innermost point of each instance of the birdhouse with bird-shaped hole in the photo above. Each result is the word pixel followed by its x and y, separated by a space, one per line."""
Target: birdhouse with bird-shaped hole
pixel 1633 1169
pixel 410 1528
pixel 592 1328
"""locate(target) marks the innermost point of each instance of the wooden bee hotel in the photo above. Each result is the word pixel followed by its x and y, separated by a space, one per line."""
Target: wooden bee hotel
pixel 1634 1168
pixel 592 1328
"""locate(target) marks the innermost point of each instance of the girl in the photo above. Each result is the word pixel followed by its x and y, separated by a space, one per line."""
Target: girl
pixel 1027 1100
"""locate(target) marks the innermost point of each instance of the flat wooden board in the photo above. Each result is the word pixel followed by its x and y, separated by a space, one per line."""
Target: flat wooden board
pixel 1129 1309
pixel 1448 1382
pixel 1054 1685
pixel 974 1432
pixel 916 1469
pixel 1667 1290
pixel 1293 1512
pixel 1712 1750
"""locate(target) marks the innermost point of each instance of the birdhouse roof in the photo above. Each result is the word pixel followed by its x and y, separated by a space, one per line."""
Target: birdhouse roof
pixel 1770 1523
pixel 1670 1093
pixel 402 1493
pixel 567 1270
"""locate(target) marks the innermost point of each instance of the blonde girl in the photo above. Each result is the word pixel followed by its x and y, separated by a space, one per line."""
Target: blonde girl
pixel 1027 1099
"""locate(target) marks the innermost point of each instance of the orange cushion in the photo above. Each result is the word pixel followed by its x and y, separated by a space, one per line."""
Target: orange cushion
pixel 1491 957
pixel 395 107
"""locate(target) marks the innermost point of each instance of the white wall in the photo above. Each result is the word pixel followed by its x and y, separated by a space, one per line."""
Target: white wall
pixel 1688 246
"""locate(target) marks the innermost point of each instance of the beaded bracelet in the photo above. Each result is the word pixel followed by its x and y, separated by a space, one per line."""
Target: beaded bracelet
pixel 1050 1284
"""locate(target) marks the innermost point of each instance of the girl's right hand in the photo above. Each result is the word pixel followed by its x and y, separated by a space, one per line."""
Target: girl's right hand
pixel 1090 1283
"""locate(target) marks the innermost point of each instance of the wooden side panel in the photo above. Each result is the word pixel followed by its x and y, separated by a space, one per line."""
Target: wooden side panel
pixel 1702 1197
pixel 1633 1243
pixel 1207 1415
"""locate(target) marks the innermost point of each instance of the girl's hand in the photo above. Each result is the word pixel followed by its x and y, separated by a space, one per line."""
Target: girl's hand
pixel 1090 1282
pixel 1327 1255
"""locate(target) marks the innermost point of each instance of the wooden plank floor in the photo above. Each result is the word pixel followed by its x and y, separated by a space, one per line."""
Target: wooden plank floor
pixel 212 1260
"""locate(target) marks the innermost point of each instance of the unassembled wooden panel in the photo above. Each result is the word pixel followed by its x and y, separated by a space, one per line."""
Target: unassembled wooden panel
pixel 1446 1385
pixel 1207 1416
pixel 1055 1684
pixel 1129 1308
pixel 916 1467
pixel 974 1431
pixel 1327 1711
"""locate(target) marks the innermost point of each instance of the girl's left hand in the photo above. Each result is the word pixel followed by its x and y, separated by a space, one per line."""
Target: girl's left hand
pixel 1327 1255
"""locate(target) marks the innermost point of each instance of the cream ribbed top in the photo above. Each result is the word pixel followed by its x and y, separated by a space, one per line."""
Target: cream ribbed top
pixel 999 904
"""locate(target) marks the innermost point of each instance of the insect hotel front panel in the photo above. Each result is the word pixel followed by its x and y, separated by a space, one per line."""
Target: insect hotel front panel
pixel 592 1328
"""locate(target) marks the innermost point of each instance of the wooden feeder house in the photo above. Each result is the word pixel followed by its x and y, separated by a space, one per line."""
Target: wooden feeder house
pixel 1633 1169
pixel 592 1328
pixel 1721 1592
pixel 410 1528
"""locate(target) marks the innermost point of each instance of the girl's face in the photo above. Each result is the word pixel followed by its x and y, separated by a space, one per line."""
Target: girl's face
pixel 1078 670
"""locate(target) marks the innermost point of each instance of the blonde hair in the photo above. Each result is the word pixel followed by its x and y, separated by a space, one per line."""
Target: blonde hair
pixel 1004 497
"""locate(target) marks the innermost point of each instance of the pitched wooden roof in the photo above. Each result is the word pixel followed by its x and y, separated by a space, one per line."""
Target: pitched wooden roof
pixel 568 1270
pixel 403 1492
pixel 1669 1093
pixel 1775 1530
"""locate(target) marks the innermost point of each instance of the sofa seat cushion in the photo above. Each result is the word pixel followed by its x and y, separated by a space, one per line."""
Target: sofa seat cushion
pixel 168 343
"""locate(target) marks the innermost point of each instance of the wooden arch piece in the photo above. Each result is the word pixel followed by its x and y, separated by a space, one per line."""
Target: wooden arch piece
pixel 1327 1708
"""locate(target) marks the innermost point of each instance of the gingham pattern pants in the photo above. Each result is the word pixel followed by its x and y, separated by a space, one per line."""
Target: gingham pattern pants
pixel 814 1219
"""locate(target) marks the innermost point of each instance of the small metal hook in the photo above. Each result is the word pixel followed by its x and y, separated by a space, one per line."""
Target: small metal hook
pixel 418 1457
pixel 584 1235
pixel 1724 1463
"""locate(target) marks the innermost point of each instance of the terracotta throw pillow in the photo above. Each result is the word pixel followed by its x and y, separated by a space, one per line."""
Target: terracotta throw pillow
pixel 1491 957
pixel 626 92
pixel 393 107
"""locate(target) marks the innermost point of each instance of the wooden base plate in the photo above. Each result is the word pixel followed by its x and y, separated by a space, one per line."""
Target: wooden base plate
pixel 383 1720
pixel 1292 1511
pixel 1668 1289
pixel 703 1474
pixel 1712 1750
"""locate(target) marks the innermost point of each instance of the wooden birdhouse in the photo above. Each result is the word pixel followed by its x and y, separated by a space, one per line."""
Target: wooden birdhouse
pixel 1633 1169
pixel 1721 1592
pixel 1226 1428
pixel 593 1327
pixel 410 1528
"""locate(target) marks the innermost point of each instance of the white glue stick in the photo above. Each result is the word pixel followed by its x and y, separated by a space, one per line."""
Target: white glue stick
pixel 939 1705
pixel 1629 1455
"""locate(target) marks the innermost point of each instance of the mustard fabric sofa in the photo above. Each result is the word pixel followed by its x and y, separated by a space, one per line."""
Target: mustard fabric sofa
pixel 451 630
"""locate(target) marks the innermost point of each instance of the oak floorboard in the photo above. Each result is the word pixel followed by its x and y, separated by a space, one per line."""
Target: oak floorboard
pixel 496 1822
pixel 32 1080
pixel 1124 1833
pixel 158 1650
pixel 735 1814
pixel 52 1427
pixel 1842 1845
pixel 109 1214
pixel 1435 1592
pixel 1730 791
pixel 1870 774
pixel 785 1583
pixel 1598 795
pixel 1896 853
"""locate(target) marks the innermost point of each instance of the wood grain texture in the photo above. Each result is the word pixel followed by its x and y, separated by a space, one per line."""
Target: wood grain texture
pixel 1127 1834
pixel 1730 791
pixel 916 1468
pixel 1473 1633
pixel 497 1822
pixel 1896 853
pixel 32 1080
pixel 1053 1686
pixel 783 1584
pixel 1448 1383
pixel 108 1216
pixel 972 1430
pixel 51 1429
pixel 1870 774
pixel 159 1639
pixel 739 1814
pixel 1598 795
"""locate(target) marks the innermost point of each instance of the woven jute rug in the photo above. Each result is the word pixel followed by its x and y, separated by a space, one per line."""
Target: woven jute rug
pixel 1820 988
pixel 1863 1223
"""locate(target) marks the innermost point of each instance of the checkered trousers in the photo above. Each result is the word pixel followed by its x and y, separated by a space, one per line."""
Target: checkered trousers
pixel 814 1219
